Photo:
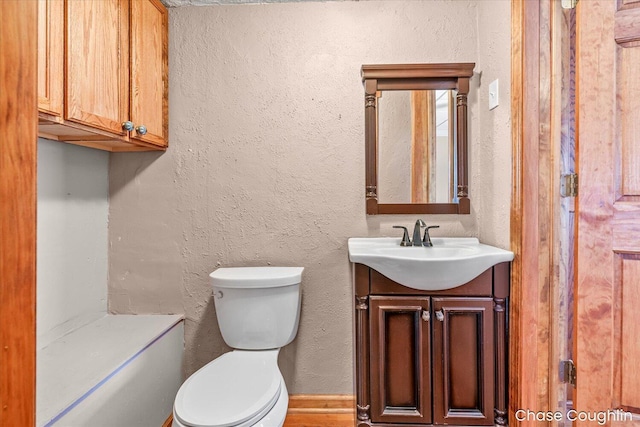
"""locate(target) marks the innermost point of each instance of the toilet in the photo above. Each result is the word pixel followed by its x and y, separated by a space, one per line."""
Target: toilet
pixel 258 309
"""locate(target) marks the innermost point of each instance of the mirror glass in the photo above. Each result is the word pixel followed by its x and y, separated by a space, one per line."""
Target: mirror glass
pixel 416 146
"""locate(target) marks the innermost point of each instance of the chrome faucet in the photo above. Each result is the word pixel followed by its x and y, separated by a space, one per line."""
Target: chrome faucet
pixel 417 241
pixel 426 240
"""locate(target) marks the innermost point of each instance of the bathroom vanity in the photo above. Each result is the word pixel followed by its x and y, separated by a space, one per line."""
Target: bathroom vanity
pixel 430 356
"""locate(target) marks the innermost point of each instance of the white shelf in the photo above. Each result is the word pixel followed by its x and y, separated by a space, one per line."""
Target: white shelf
pixel 72 367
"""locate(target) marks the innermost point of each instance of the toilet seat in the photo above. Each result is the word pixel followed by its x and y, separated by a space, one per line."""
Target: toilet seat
pixel 236 389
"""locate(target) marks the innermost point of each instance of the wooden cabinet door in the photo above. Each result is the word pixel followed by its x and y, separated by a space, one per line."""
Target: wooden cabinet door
pixel 400 360
pixel 149 81
pixel 97 89
pixel 50 56
pixel 463 348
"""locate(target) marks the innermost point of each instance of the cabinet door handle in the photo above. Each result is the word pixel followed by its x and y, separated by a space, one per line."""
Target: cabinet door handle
pixel 440 315
pixel 127 126
pixel 141 130
pixel 425 315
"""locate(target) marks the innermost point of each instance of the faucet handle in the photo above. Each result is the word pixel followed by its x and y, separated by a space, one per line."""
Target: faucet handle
pixel 426 240
pixel 405 237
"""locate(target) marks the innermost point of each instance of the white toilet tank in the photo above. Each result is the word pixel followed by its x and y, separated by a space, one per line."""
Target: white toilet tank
pixel 258 308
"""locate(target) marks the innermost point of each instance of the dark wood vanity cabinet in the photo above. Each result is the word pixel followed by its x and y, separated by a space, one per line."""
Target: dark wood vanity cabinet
pixel 431 358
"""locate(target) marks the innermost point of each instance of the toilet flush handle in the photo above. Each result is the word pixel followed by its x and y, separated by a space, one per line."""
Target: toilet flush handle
pixel 218 294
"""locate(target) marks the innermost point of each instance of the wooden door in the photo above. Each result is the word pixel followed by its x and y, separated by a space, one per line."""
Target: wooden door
pixel 97 89
pixel 51 56
pixel 149 76
pixel 463 365
pixel 607 344
pixel 400 360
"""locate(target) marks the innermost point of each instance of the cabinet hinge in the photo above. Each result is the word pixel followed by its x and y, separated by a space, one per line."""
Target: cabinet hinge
pixel 568 374
pixel 569 185
pixel 569 4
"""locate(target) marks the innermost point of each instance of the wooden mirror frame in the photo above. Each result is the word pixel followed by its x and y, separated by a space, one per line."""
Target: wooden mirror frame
pixel 381 77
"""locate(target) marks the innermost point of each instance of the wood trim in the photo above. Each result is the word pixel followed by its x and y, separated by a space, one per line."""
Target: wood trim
pixel 371 152
pixel 418 208
pixel 500 296
pixel 417 84
pixel 420 71
pixel 362 288
pixel 322 404
pixel 168 422
pixel 517 129
pixel 315 410
pixel 532 219
pixel 18 133
pixel 451 145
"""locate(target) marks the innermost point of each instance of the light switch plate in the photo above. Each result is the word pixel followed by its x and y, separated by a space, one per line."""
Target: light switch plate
pixel 493 94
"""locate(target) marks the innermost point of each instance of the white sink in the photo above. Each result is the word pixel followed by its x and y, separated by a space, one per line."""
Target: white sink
pixel 450 262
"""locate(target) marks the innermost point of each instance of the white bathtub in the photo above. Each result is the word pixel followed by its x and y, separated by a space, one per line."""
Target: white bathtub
pixel 120 370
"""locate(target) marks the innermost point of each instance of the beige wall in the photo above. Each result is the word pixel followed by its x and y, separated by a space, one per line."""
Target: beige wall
pixel 491 148
pixel 266 162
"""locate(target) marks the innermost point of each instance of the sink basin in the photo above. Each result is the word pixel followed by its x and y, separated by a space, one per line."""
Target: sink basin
pixel 451 262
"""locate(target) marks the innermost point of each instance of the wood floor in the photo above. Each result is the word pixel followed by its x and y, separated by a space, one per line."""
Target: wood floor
pixel 307 410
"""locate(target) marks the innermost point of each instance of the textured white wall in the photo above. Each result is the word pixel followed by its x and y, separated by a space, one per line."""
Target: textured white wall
pixel 491 151
pixel 266 165
pixel 73 210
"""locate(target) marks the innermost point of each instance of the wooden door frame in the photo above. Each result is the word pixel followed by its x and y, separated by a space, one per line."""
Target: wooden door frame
pixel 18 143
pixel 532 379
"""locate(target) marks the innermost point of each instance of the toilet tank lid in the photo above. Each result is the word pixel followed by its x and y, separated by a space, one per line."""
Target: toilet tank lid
pixel 256 277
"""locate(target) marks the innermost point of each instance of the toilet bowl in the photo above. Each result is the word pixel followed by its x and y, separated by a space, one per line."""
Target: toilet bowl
pixel 258 310
pixel 239 388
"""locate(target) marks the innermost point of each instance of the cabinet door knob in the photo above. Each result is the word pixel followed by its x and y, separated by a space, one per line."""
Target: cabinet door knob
pixel 127 126
pixel 440 315
pixel 425 315
pixel 141 130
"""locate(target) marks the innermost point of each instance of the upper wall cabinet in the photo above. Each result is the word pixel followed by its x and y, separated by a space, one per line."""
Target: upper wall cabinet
pixel 103 83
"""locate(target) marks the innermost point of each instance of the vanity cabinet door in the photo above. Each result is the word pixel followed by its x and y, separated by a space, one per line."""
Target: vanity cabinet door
pixel 463 342
pixel 400 359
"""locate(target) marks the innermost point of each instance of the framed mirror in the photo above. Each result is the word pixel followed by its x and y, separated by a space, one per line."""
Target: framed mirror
pixel 416 138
